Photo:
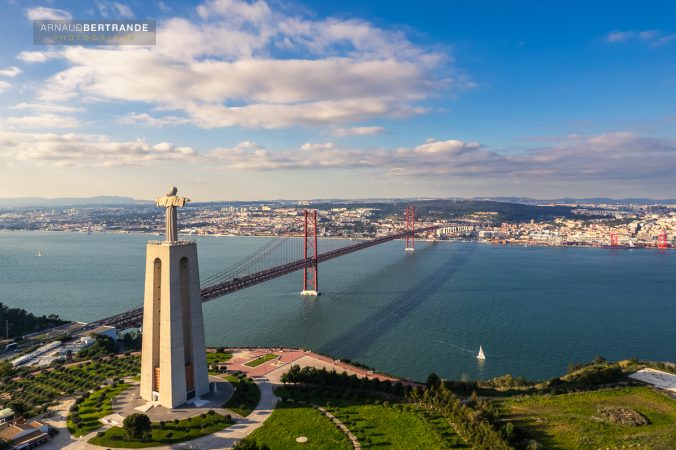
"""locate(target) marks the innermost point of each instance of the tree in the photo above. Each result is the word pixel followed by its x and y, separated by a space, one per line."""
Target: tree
pixel 6 369
pixel 103 345
pixel 433 380
pixel 22 322
pixel 137 425
pixel 131 340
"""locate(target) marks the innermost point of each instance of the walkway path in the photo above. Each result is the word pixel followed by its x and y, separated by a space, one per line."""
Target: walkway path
pixel 228 437
pixel 353 439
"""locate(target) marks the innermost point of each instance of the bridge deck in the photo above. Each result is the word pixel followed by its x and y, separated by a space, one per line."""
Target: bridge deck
pixel 134 317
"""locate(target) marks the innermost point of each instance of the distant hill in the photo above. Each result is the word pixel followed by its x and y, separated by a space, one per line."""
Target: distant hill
pixel 30 202
pixel 451 209
pixel 577 201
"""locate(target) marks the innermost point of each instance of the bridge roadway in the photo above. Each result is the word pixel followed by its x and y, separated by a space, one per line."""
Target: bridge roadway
pixel 134 317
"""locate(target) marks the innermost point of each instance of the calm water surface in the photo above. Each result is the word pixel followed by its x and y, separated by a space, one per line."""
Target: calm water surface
pixel 533 309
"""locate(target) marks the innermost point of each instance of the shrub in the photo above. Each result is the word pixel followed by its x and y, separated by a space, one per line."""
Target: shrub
pixel 509 429
pixel 137 425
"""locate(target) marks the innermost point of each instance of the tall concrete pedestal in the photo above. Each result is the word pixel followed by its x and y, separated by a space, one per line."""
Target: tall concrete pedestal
pixel 173 359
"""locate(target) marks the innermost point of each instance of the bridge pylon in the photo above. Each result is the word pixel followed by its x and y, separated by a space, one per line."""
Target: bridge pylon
pixel 409 217
pixel 310 278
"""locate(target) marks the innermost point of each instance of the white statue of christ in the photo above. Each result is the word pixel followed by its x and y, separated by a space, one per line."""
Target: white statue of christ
pixel 171 202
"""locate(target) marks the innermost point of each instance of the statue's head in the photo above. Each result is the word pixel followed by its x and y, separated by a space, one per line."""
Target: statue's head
pixel 172 192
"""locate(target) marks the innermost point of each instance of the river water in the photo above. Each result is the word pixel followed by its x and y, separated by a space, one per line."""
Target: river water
pixel 532 309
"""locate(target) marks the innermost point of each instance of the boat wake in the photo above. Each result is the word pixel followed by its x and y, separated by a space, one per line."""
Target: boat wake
pixel 455 346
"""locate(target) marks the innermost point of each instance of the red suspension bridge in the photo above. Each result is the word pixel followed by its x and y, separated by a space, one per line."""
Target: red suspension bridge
pixel 278 257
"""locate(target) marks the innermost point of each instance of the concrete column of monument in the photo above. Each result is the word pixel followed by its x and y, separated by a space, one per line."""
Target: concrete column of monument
pixel 173 359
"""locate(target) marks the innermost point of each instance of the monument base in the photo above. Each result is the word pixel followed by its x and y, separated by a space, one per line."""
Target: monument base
pixel 173 359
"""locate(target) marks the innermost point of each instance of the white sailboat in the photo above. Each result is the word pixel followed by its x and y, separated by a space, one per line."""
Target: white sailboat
pixel 481 353
pixel 39 254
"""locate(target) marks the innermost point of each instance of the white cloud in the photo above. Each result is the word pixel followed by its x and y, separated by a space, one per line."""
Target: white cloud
pixel 649 35
pixel 123 10
pixel 43 13
pixel 333 71
pixel 619 156
pixel 655 38
pixel 255 12
pixel 310 113
pixel 10 71
pixel 665 40
pixel 37 57
pixel 164 7
pixel 358 131
pixel 614 157
pixel 41 121
pixel 144 119
pixel 620 36
pixel 85 150
pixel 47 107
pixel 107 9
pixel 4 86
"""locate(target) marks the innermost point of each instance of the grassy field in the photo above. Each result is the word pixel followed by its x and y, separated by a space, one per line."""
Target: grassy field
pixel 395 427
pixel 378 423
pixel 217 357
pixel 261 360
pixel 90 413
pixel 566 421
pixel 289 421
pixel 171 433
pixel 246 395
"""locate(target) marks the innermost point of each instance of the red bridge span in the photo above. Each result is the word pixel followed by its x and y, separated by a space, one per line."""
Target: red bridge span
pixel 257 267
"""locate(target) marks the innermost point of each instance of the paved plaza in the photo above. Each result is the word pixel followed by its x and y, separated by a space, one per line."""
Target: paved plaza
pixel 130 402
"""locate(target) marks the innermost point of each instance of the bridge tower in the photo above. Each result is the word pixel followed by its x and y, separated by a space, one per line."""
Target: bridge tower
pixel 409 217
pixel 173 358
pixel 310 279
pixel 614 239
pixel 662 240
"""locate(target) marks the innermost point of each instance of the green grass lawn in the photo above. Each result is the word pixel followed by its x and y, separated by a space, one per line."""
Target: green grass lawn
pixel 394 427
pixel 289 421
pixel 261 360
pixel 90 413
pixel 377 423
pixel 565 421
pixel 245 398
pixel 186 429
pixel 217 357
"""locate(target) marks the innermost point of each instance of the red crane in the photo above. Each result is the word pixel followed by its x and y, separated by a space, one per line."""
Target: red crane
pixel 662 239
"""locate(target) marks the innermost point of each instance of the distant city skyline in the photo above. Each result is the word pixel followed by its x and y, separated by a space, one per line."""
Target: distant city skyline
pixel 302 100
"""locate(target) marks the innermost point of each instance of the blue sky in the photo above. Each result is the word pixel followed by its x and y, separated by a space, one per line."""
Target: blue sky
pixel 277 99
